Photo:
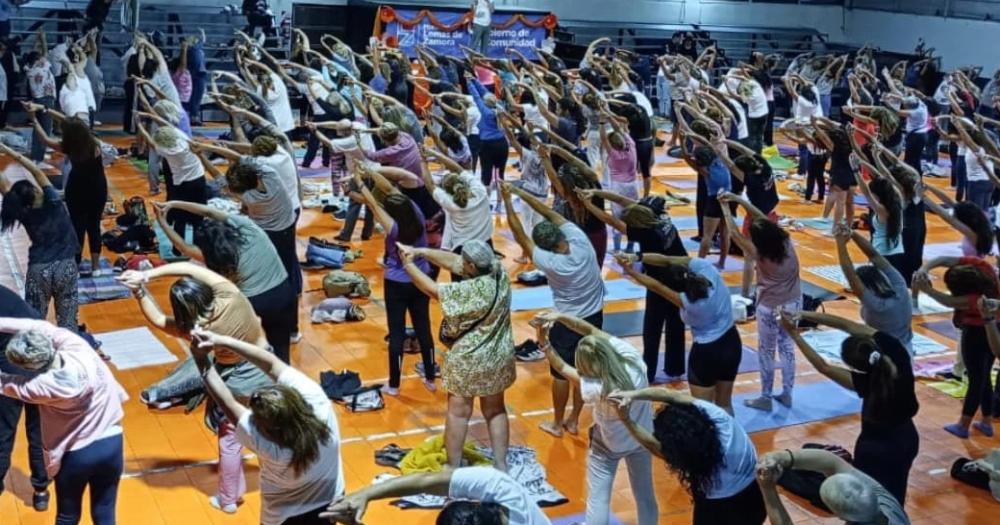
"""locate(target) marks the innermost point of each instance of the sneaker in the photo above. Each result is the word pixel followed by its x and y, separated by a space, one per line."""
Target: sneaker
pixel 419 368
pixel 983 428
pixel 761 403
pixel 228 509
pixel 957 430
pixel 40 501
pixel 296 338
pixel 389 391
pixel 785 399
pixel 528 351
pixel 430 386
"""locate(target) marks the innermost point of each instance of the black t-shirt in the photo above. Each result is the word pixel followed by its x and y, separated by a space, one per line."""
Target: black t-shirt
pixel 903 405
pixel 11 305
pixel 663 240
pixel 50 230
pixel 760 187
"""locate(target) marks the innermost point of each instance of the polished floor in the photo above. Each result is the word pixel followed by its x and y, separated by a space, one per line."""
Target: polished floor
pixel 170 471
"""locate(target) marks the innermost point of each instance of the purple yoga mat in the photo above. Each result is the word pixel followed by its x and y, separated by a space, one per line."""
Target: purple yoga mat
pixel 942 327
pixel 788 151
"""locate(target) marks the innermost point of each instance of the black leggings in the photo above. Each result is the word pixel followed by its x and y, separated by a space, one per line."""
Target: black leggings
pixel 190 191
pixel 644 154
pixel 887 455
pixel 743 508
pixel 493 157
pixel 756 128
pixel 309 518
pixel 978 363
pixel 914 236
pixel 474 146
pixel 86 212
pixel 278 309
pixel 401 298
pixel 814 177
pixel 659 313
pixel 914 151
pixel 284 243
pixel 769 126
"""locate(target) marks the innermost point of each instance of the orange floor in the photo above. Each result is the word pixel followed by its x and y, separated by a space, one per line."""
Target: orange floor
pixel 169 470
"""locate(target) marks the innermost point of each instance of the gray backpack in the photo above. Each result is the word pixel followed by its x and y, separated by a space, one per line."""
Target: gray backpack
pixel 341 283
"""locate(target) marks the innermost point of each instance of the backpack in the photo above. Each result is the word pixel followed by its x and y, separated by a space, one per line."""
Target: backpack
pixel 133 213
pixel 340 283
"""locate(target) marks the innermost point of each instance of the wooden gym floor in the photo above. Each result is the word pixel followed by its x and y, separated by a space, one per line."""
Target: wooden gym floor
pixel 169 455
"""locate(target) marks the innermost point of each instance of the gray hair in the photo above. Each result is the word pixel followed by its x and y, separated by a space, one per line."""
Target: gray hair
pixel 850 498
pixel 30 350
pixel 480 255
pixel 547 235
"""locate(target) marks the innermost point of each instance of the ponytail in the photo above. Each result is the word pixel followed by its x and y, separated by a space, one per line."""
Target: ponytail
pixel 863 354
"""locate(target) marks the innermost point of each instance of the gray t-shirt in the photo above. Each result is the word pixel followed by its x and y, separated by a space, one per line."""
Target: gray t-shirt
pixel 271 209
pixel 887 503
pixel 259 265
pixel 891 315
pixel 575 278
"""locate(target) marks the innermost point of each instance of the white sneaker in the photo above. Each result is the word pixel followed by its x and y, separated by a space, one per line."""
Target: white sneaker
pixel 296 338
pixel 228 509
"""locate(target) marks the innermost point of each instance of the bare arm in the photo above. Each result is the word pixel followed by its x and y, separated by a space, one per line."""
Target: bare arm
pixel 839 375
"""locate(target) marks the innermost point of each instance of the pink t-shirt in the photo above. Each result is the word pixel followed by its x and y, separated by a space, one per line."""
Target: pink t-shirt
pixel 79 403
pixel 182 81
pixel 622 163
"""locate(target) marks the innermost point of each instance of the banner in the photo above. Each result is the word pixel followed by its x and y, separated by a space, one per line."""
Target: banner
pixel 445 32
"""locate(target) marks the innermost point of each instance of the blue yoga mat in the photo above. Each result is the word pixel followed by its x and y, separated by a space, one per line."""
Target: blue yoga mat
pixel 733 264
pixel 817 223
pixel 102 288
pixel 749 362
pixel 943 249
pixel 685 222
pixel 623 324
pixel 827 343
pixel 166 248
pixel 812 402
pixel 311 173
pixel 576 519
pixel 860 200
pixel 540 297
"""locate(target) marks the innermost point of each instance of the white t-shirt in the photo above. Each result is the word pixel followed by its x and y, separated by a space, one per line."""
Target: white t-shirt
pixel 185 166
pixel 739 461
pixel 642 101
pixel 73 102
pixel 283 494
pixel 161 79
pixel 614 435
pixel 483 13
pixel 355 156
pixel 56 56
pixel 489 485
pixel 277 101
pixel 532 115
pixel 288 174
pixel 757 101
pixel 471 223
pixel 574 277
pixel 975 171
pixel 472 118
pixel 742 125
pixel 803 109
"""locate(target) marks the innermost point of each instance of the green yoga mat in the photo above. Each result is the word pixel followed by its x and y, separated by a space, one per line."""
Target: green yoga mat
pixel 781 163
pixel 953 387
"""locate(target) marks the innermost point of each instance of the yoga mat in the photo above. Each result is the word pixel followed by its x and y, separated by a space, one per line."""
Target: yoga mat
pixel 817 223
pixel 134 348
pixel 932 368
pixel 313 173
pixel 577 519
pixel 808 288
pixel 812 402
pixel 831 273
pixel 690 244
pixel 681 184
pixel 944 249
pixel 927 305
pixel 211 132
pixel 952 387
pixel 540 297
pixel 788 151
pixel 749 362
pixel 827 344
pixel 685 222
pixel 667 159
pixel 943 327
pixel 623 324
pixel 860 200
pixel 781 163
pixel 102 288
pixel 165 247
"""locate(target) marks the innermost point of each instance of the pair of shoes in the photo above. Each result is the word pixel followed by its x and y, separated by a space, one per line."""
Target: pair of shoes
pixel 528 351
pixel 390 455
pixel 983 428
pixel 785 398
pixel 40 501
pixel 957 430
pixel 229 508
pixel 430 386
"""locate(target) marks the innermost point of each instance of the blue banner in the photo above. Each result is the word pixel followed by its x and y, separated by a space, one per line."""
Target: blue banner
pixel 518 36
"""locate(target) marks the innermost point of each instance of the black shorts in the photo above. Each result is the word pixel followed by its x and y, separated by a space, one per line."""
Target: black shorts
pixel 743 508
pixel 564 341
pixel 713 208
pixel 717 361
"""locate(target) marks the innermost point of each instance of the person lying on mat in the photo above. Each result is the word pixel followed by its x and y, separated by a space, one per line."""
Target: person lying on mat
pixel 848 492
pixel 968 279
pixel 885 301
pixel 565 255
pixel 290 425
pixel 648 223
pixel 603 364
pixel 708 450
pixel 479 496
pixel 879 370
pixel 703 298
pixel 770 250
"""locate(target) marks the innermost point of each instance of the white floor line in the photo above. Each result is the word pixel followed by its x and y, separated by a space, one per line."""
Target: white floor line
pixel 7 246
pixel 186 466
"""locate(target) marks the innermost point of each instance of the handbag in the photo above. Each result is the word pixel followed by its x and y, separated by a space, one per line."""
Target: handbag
pixel 367 399
pixel 448 333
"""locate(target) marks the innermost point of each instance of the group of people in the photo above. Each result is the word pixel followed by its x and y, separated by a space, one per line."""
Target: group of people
pixel 433 177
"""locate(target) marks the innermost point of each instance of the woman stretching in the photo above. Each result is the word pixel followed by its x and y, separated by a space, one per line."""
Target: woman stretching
pixel 465 201
pixel 880 371
pixel 86 188
pixel 707 449
pixel 647 223
pixel 291 426
pixel 703 299
pixel 203 298
pixel 234 247
pixel 404 222
pixel 886 218
pixel 968 279
pixel 606 364
pixel 52 271
pixel 476 325
pixel 80 405
pixel 772 252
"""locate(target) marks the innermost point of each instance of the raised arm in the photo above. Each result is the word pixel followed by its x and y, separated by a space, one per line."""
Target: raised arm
pixel 839 375
pixel 654 285
pixel 586 197
pixel 514 220
pixel 266 361
pixel 40 177
pixel 351 508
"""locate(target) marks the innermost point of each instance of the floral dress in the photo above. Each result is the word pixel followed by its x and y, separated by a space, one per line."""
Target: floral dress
pixel 480 362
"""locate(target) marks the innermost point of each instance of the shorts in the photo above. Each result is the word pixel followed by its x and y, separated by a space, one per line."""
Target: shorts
pixel 716 361
pixel 713 208
pixel 564 341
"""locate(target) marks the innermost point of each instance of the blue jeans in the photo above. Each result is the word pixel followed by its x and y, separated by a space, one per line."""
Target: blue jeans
pixel 480 39
pixel 97 466
pixel 826 101
pixel 663 96
pixel 37 144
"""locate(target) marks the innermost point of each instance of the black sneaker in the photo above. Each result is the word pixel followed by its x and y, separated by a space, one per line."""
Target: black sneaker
pixel 528 351
pixel 40 501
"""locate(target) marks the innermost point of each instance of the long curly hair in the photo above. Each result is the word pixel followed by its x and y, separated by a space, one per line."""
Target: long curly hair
pixel 883 190
pixel 220 243
pixel 689 442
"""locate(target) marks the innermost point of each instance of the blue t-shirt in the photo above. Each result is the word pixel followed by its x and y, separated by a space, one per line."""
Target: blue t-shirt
pixel 709 318
pixel 52 235
pixel 718 178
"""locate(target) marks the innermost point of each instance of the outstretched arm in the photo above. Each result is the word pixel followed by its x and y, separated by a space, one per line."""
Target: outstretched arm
pixel 514 220
pixel 351 508
pixel 839 375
